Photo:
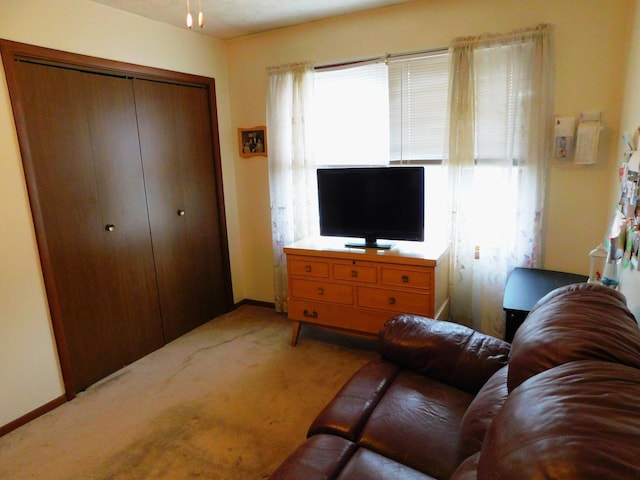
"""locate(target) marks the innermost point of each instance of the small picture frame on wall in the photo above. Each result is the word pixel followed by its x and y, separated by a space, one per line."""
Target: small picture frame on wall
pixel 253 141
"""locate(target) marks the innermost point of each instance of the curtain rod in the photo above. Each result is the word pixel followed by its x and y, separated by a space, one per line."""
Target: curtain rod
pixel 384 58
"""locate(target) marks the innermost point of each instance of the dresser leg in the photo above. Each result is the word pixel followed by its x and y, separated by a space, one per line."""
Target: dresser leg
pixel 295 333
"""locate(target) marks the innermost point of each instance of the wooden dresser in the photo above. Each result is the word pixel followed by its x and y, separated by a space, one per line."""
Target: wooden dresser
pixel 356 290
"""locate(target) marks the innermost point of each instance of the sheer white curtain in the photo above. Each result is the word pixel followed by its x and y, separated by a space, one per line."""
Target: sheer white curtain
pixel 501 116
pixel 292 181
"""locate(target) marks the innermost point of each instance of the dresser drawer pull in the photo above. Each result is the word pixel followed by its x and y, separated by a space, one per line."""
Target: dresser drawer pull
pixel 320 291
pixel 405 278
pixel 354 273
pixel 307 268
pixel 313 314
pixel 392 301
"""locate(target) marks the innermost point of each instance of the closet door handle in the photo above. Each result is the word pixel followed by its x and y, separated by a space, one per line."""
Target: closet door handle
pixel 181 213
pixel 110 227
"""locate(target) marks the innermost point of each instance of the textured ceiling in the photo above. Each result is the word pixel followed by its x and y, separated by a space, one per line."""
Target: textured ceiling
pixel 227 19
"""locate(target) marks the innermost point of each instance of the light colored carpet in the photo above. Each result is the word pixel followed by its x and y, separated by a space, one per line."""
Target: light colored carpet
pixel 229 400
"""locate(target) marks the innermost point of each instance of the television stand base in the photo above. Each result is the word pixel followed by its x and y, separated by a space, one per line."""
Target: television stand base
pixel 376 245
pixel 358 290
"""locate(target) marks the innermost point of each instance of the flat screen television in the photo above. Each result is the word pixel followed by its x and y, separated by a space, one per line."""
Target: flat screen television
pixel 372 203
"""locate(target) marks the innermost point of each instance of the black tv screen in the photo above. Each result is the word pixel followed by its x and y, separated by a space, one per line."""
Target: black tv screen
pixel 372 203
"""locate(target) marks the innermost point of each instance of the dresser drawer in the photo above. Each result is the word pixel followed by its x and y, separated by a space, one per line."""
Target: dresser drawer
pixel 396 301
pixel 308 267
pixel 402 277
pixel 322 291
pixel 358 273
pixel 338 316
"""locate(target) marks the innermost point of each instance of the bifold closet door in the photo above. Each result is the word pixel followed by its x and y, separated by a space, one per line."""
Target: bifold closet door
pixel 174 125
pixel 87 194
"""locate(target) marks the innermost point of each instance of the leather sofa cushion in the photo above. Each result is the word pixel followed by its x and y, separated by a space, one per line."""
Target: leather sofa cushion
pixel 578 420
pixel 479 415
pixel 417 423
pixel 368 465
pixel 578 322
pixel 319 458
pixel 327 457
pixel 445 351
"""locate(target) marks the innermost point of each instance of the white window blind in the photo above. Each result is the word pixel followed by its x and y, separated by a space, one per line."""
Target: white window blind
pixel 502 74
pixel 418 96
pixel 352 116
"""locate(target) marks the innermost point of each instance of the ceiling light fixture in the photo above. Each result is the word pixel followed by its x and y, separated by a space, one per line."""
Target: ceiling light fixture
pixel 200 15
pixel 190 17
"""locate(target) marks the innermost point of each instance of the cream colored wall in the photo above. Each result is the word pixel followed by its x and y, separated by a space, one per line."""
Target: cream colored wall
pixel 591 38
pixel 630 122
pixel 590 47
pixel 29 372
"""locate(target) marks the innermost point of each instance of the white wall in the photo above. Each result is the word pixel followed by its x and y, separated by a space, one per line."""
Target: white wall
pixel 29 372
pixel 591 38
pixel 591 49
pixel 629 279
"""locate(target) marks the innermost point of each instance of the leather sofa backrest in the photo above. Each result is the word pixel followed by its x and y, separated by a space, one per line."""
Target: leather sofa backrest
pixel 577 322
pixel 448 352
pixel 575 421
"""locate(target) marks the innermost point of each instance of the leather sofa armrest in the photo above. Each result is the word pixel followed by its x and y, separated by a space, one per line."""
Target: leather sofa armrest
pixel 347 413
pixel 448 352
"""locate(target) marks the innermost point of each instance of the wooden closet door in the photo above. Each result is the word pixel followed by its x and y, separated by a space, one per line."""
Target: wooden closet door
pixel 177 154
pixel 85 173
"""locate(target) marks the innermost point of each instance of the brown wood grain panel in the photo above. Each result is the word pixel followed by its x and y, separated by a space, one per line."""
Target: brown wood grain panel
pixel 177 153
pixel 103 280
pixel 94 205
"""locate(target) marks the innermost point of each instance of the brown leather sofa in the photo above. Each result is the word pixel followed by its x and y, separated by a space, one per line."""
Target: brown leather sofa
pixel 444 401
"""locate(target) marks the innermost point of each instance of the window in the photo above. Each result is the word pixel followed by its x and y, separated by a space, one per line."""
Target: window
pixel 497 165
pixel 500 143
pixel 351 115
pixel 392 112
pixel 418 95
pixel 496 117
pixel 418 102
pixel 398 106
pixel 501 97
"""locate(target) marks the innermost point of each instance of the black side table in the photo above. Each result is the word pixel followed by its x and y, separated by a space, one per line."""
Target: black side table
pixel 525 286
